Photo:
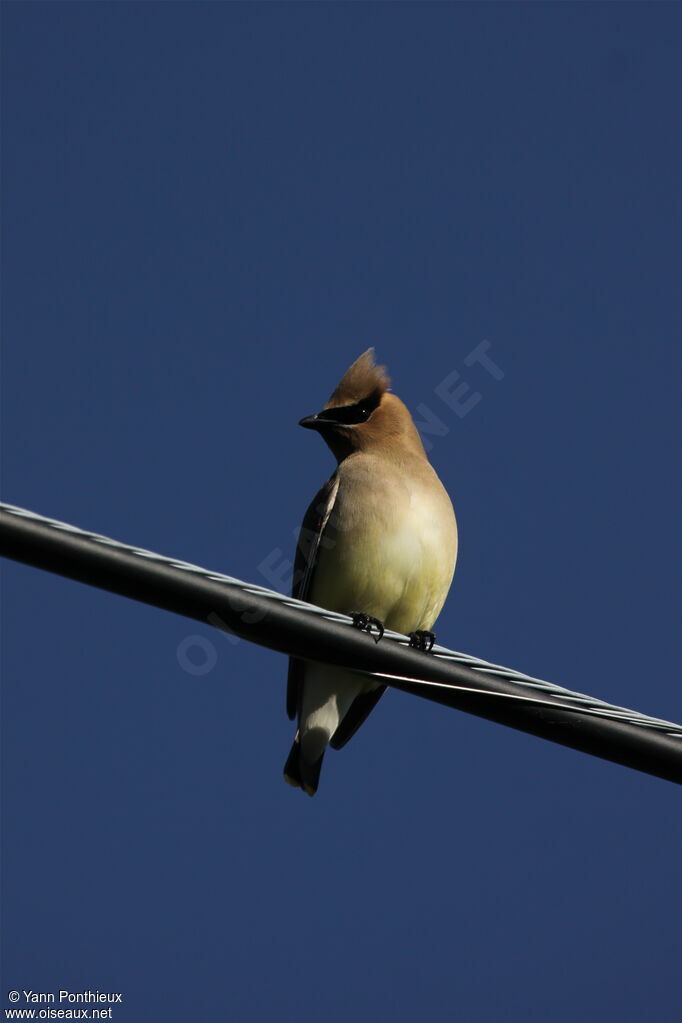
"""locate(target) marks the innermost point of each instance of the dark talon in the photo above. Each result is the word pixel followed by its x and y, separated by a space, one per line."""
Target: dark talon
pixel 422 640
pixel 365 622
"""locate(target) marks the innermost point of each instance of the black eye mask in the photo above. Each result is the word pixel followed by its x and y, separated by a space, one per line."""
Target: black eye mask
pixel 352 415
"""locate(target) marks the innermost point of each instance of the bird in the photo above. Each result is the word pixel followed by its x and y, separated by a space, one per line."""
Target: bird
pixel 378 542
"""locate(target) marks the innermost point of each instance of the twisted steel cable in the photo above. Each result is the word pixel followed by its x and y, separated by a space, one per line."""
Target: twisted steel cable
pixel 294 627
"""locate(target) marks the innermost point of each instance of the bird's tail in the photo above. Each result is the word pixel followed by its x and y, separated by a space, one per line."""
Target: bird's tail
pixel 300 770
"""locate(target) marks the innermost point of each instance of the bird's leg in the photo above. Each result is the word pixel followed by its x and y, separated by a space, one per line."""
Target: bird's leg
pixel 365 622
pixel 422 640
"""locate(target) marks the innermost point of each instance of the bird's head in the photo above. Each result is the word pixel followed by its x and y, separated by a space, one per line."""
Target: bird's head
pixel 362 414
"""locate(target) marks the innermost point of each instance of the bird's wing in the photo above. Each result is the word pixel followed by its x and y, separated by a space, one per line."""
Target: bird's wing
pixel 307 548
pixel 361 707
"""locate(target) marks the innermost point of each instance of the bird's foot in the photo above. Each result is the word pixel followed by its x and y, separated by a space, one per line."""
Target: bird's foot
pixel 366 622
pixel 422 640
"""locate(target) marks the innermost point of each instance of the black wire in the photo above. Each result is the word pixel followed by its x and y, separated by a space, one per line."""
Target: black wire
pixel 270 622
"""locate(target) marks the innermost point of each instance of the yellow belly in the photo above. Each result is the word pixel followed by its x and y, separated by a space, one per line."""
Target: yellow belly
pixel 395 561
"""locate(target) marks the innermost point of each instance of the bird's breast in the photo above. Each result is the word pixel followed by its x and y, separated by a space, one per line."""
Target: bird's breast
pixel 388 549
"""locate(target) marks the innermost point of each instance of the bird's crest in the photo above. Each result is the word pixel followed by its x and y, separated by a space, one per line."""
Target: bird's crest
pixel 360 380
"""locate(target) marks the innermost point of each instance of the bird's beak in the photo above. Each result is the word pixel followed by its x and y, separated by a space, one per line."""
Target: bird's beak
pixel 315 422
pixel 309 421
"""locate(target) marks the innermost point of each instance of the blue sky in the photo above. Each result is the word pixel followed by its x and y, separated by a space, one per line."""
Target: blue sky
pixel 209 211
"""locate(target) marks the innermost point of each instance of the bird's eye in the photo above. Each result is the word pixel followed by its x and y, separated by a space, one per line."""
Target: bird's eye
pixel 353 415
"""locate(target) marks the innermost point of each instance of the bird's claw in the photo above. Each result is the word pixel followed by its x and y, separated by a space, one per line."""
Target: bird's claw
pixel 366 622
pixel 422 640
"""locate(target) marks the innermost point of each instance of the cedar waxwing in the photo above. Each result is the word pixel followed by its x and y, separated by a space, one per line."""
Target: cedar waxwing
pixel 378 542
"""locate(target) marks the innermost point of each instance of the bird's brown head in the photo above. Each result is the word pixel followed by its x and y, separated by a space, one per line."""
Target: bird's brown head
pixel 363 415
